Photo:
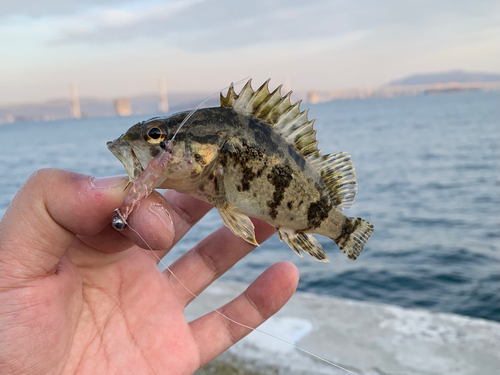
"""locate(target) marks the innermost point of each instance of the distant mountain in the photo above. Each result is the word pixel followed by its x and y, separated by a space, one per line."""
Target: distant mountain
pixel 458 76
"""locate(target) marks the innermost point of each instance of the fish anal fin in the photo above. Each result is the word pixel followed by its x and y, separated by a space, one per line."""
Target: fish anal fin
pixel 283 234
pixel 239 224
pixel 303 241
pixel 355 233
pixel 339 175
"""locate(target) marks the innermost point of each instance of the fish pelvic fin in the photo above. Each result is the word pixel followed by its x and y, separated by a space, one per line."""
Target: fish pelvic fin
pixel 239 224
pixel 278 112
pixel 303 241
pixel 355 233
pixel 339 175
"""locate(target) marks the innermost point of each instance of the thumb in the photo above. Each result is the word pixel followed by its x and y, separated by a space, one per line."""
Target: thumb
pixel 51 208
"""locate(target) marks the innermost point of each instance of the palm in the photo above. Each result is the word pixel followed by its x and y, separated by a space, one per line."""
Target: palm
pixel 127 322
pixel 99 304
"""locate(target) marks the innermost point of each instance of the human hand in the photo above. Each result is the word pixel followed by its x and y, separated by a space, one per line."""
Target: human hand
pixel 78 297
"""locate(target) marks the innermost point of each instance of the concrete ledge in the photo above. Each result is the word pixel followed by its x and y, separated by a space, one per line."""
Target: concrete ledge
pixel 366 338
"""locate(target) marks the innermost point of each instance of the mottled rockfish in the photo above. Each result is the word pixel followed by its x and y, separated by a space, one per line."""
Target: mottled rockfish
pixel 255 155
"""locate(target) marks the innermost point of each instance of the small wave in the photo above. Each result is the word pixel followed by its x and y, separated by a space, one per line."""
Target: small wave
pixel 492 234
pixel 485 199
pixel 432 156
pixel 475 167
pixel 454 278
pixel 445 222
pixel 442 186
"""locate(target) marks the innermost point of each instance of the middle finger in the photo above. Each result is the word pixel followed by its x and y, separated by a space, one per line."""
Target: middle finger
pixel 211 258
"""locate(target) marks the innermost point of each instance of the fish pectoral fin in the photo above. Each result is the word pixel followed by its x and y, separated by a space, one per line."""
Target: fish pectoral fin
pixel 303 241
pixel 239 224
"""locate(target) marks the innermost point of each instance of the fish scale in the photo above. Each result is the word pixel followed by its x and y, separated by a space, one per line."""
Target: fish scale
pixel 255 156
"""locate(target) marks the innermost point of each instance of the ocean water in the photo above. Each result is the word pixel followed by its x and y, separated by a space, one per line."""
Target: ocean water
pixel 428 174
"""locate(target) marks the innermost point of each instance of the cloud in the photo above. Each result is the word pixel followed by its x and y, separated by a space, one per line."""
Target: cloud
pixel 43 8
pixel 212 25
pixel 109 25
pixel 198 25
pixel 119 46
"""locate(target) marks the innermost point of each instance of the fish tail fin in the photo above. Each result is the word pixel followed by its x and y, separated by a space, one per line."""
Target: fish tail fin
pixel 352 239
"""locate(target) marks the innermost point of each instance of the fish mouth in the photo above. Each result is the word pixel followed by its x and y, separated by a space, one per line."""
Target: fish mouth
pixel 126 155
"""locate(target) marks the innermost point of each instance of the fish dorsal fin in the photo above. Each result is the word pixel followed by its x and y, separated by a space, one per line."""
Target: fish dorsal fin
pixel 339 174
pixel 278 112
pixel 293 125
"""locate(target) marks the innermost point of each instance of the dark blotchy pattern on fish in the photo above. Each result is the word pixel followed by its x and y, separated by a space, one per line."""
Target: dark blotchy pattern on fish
pixel 154 152
pixel 280 177
pixel 318 212
pixel 241 156
pixel 297 158
pixel 263 135
pixel 348 227
pixel 257 156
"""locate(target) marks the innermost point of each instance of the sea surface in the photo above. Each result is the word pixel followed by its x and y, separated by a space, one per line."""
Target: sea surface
pixel 428 173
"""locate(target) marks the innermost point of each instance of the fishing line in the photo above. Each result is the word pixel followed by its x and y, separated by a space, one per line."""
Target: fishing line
pixel 119 222
pixel 225 316
pixel 203 102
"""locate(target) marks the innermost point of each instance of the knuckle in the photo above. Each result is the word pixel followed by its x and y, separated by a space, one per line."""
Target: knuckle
pixel 183 214
pixel 208 261
pixel 232 334
pixel 52 175
pixel 255 306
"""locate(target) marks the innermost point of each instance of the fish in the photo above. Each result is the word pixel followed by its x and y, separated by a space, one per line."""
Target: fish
pixel 254 156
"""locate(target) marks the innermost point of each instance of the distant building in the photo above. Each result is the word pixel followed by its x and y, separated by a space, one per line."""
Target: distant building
pixel 123 107
pixel 75 101
pixel 163 103
pixel 313 97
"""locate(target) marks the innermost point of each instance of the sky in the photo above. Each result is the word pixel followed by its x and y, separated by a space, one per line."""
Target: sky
pixel 120 48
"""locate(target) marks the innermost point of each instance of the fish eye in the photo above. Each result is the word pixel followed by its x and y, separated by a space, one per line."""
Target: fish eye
pixel 155 135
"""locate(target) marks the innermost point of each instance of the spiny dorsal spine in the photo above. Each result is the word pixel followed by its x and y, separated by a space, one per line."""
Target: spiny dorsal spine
pixel 277 111
pixel 286 118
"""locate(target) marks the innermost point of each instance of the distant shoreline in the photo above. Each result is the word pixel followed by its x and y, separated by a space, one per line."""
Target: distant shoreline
pixel 393 91
pixel 148 106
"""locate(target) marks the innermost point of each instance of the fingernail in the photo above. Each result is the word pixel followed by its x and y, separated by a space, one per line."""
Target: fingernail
pixel 109 182
pixel 162 213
